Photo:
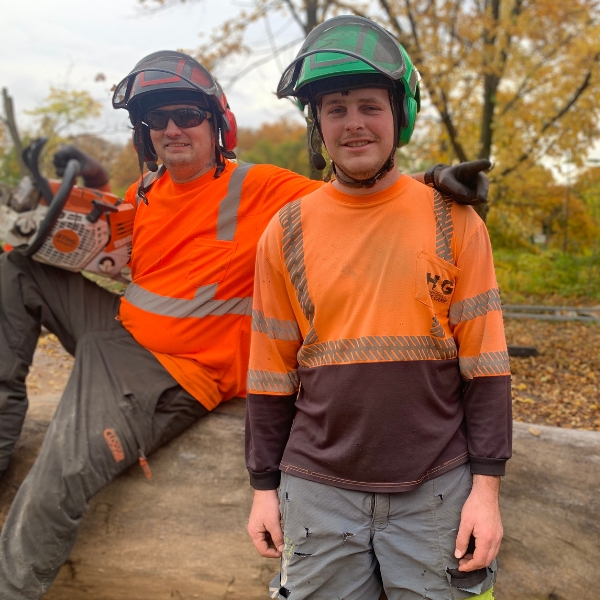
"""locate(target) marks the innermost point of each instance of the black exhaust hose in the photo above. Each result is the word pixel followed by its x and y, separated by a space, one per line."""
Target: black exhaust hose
pixel 56 206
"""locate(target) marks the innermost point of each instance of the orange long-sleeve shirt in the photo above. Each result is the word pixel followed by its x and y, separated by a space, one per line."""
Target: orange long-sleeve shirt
pixel 192 267
pixel 383 311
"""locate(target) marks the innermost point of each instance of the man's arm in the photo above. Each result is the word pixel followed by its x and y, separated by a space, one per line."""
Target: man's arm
pixel 475 316
pixel 272 388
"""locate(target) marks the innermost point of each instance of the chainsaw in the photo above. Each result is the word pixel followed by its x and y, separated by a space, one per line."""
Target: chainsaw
pixel 61 224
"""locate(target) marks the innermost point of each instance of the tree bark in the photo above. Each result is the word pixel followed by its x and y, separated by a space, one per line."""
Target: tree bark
pixel 14 132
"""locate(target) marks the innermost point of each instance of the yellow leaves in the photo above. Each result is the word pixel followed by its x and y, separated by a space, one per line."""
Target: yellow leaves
pixel 63 107
pixel 523 400
pixel 51 367
pixel 559 387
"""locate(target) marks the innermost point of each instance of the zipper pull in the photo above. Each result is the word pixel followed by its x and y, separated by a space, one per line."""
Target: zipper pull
pixel 144 464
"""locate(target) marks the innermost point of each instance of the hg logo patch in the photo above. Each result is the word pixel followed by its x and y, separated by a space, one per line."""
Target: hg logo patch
pixel 441 293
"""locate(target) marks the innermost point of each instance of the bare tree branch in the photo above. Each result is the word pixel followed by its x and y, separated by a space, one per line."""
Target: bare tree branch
pixel 563 111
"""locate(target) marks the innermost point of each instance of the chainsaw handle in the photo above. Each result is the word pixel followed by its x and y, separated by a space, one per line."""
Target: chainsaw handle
pixel 56 206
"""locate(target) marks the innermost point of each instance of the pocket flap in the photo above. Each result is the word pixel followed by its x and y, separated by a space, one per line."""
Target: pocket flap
pixel 209 261
pixel 436 280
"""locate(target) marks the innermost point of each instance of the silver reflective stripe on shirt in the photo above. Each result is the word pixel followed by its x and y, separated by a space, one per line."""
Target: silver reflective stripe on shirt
pixel 228 208
pixel 203 303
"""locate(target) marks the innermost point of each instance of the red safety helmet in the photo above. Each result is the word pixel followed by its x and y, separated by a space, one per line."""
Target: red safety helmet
pixel 169 77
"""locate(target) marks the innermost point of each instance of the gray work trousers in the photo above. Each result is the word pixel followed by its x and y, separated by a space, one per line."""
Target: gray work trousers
pixel 348 544
pixel 118 403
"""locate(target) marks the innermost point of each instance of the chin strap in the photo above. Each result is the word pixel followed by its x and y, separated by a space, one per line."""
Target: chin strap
pixel 351 182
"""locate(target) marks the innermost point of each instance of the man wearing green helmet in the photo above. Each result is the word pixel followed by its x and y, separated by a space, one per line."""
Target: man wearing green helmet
pixel 379 388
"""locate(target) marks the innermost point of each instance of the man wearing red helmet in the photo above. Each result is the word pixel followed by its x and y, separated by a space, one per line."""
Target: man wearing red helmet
pixel 150 363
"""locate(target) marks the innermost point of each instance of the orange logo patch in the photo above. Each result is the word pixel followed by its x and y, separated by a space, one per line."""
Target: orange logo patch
pixel 114 445
pixel 65 240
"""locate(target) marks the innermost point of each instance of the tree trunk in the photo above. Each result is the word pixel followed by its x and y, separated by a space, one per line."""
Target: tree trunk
pixel 14 132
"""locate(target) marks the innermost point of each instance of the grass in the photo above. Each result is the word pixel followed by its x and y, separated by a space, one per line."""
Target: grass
pixel 547 277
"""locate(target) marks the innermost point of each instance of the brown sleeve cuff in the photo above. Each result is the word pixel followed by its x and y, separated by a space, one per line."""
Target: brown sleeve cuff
pixel 265 481
pixel 268 423
pixel 488 466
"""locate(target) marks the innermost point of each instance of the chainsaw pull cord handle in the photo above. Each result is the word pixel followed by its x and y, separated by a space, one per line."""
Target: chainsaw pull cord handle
pixel 56 206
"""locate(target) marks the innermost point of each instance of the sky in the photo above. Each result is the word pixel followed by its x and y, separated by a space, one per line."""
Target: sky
pixel 66 43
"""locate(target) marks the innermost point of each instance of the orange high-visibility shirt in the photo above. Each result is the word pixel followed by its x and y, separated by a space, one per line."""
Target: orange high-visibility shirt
pixel 192 267
pixel 382 314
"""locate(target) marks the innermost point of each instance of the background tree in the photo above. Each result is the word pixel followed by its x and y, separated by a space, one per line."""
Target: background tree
pixel 282 143
pixel 510 80
pixel 124 170
pixel 62 115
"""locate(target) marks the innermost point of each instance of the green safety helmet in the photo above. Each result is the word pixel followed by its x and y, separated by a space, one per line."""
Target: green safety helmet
pixel 350 52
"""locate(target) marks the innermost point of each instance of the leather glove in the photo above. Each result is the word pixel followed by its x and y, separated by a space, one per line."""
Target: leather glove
pixel 466 182
pixel 93 173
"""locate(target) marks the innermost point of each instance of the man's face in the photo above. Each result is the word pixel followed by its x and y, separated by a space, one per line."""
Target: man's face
pixel 187 152
pixel 358 130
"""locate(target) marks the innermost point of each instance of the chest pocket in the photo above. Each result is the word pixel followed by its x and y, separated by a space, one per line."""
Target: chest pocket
pixel 209 261
pixel 436 280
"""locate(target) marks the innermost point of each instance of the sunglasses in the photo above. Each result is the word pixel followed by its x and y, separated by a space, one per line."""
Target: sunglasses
pixel 182 117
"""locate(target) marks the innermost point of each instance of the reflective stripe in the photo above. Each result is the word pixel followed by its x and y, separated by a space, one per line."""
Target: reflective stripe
pixel 477 306
pixel 436 328
pixel 444 227
pixel 272 381
pixel 153 176
pixel 487 363
pixel 292 245
pixel 202 305
pixel 377 348
pixel 276 329
pixel 149 179
pixel 228 207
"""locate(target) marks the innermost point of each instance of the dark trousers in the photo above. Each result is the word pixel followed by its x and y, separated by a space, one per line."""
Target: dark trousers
pixel 119 402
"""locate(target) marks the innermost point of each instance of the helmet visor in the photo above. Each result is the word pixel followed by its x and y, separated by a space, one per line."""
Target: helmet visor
pixel 164 71
pixel 334 47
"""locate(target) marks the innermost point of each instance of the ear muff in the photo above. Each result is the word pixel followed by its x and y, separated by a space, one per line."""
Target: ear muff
pixel 229 124
pixel 410 109
pixel 149 151
pixel 141 139
pixel 229 130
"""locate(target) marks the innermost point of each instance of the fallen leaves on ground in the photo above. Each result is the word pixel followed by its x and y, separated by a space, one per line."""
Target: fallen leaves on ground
pixel 561 386
pixel 51 367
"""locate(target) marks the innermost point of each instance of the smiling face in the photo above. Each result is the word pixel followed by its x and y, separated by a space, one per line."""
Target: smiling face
pixel 358 131
pixel 187 153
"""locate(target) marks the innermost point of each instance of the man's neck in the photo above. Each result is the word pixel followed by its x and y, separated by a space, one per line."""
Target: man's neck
pixel 179 175
pixel 386 181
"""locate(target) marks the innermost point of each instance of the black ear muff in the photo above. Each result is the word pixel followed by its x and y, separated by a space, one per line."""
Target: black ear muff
pixel 149 151
pixel 404 113
pixel 316 158
pixel 229 132
pixel 150 156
